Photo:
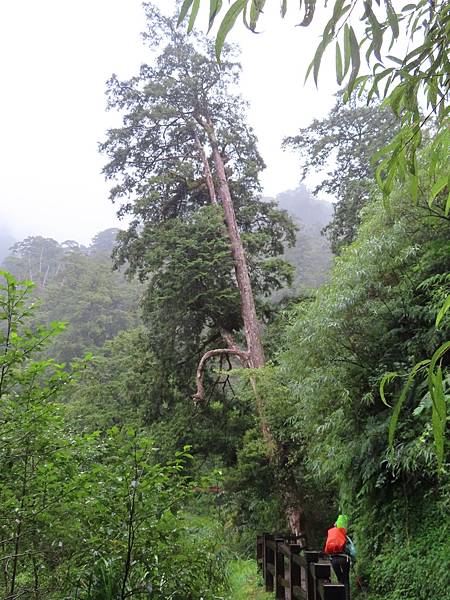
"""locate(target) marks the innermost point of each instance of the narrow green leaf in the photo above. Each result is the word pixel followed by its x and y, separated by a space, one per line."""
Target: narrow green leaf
pixel 437 355
pixel 356 59
pixel 387 378
pixel 228 21
pixel 347 50
pixel 392 19
pixel 214 9
pixel 184 10
pixel 437 188
pixel 194 13
pixel 414 187
pixel 256 9
pixel 317 60
pixel 447 204
pixel 444 308
pixel 394 59
pixel 375 27
pixel 438 414
pixel 339 70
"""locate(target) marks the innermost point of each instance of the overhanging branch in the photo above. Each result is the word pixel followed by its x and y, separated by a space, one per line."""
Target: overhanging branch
pixel 200 393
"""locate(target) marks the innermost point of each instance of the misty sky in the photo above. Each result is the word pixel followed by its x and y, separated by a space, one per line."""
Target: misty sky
pixel 56 56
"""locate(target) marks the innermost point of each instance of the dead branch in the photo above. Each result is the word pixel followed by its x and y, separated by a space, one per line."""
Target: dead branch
pixel 200 393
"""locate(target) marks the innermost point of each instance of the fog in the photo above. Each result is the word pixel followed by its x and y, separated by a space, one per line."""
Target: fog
pixel 56 58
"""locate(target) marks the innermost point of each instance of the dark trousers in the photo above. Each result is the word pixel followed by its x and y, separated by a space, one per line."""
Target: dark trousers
pixel 341 566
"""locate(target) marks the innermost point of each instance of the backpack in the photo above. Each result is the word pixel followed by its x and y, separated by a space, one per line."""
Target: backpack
pixel 350 549
pixel 336 540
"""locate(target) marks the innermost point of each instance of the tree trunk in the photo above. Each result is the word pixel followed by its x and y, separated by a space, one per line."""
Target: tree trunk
pixel 254 357
pixel 248 310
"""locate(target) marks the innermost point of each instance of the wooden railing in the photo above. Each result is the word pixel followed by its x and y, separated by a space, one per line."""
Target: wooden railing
pixel 292 572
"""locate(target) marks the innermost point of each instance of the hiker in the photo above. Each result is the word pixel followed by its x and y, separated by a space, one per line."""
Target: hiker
pixel 342 552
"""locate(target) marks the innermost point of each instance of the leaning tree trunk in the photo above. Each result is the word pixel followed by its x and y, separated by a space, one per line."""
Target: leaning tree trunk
pixel 253 357
pixel 251 325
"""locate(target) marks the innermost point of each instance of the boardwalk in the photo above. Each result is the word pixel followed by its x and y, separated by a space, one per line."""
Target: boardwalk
pixel 292 572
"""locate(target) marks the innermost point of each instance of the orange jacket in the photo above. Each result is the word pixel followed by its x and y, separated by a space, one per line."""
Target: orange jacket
pixel 336 539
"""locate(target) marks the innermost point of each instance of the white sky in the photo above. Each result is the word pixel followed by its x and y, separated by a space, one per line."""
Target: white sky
pixel 55 57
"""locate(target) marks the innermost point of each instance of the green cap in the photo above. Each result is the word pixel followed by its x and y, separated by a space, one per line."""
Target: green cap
pixel 342 521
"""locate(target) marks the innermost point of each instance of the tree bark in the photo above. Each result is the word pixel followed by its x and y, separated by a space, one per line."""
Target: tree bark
pixel 208 175
pixel 248 309
pixel 254 356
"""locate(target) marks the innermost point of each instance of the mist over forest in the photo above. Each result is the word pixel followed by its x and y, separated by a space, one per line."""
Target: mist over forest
pixel 232 395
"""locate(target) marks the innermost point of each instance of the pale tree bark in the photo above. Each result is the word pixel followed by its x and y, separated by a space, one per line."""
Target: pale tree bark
pixel 253 357
pixel 251 325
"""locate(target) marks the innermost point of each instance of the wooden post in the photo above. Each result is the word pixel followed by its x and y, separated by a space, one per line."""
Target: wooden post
pixel 295 572
pixel 310 558
pixel 260 552
pixel 269 561
pixel 279 571
pixel 321 572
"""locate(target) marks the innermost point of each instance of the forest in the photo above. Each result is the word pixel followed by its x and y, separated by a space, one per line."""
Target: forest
pixel 228 364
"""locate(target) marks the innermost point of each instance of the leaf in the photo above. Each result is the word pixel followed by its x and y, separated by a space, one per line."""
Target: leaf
pixel 255 12
pixel 339 71
pixel 184 10
pixel 392 19
pixel 356 59
pixel 317 60
pixel 310 6
pixel 438 354
pixel 227 24
pixel 283 8
pixel 398 405
pixel 347 50
pixel 194 13
pixel 377 33
pixel 387 378
pixel 444 308
pixel 437 188
pixel 438 415
pixel 214 9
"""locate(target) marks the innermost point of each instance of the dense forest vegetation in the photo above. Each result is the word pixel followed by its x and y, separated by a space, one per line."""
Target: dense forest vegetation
pixel 149 430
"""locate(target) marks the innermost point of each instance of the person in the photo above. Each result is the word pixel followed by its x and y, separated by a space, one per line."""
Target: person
pixel 342 551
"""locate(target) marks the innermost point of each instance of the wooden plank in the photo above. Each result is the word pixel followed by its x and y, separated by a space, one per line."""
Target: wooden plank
pixel 331 591
pixel 270 568
pixel 279 573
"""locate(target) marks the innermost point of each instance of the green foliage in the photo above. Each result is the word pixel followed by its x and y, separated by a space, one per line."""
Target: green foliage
pixel 161 161
pixel 93 516
pixel 245 582
pixel 76 285
pixel 402 79
pixel 341 146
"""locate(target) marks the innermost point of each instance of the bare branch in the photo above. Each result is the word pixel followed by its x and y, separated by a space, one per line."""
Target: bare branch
pixel 200 393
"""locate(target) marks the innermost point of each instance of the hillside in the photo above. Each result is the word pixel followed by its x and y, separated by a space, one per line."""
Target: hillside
pixel 311 255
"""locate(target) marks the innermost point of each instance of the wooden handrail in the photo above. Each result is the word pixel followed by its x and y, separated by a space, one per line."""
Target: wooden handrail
pixel 294 573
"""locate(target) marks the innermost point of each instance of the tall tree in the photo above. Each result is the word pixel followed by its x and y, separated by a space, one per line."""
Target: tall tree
pixel 187 162
pixel 344 142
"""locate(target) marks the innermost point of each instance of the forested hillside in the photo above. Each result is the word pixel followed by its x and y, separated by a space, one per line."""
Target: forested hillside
pixel 77 286
pixel 311 253
pixel 162 402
